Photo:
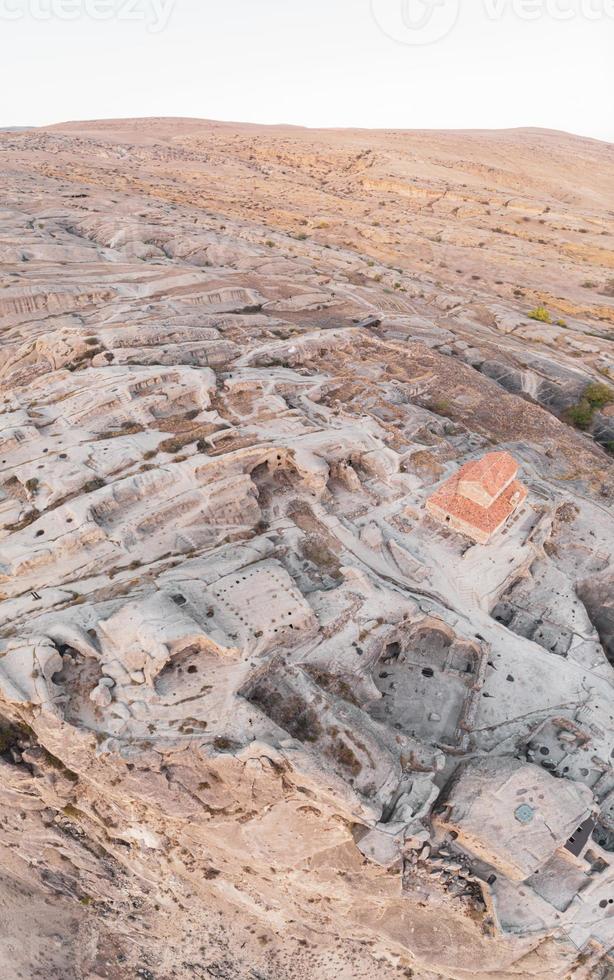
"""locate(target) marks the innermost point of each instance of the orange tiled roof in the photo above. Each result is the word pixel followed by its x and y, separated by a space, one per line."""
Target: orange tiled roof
pixel 486 519
pixel 493 472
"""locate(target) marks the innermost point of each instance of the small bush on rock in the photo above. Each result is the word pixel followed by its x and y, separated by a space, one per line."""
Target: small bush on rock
pixel 540 313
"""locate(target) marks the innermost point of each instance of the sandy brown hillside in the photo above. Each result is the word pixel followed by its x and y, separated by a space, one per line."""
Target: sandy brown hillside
pixel 540 204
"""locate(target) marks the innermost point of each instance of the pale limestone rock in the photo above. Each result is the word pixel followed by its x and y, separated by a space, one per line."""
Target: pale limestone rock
pixel 241 672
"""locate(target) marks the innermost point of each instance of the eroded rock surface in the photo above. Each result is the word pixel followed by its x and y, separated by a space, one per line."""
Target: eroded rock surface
pixel 261 716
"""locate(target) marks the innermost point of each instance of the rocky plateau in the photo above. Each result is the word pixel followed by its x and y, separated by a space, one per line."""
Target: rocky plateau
pixel 261 716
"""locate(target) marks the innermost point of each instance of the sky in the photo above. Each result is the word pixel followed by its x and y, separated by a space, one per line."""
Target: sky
pixel 436 64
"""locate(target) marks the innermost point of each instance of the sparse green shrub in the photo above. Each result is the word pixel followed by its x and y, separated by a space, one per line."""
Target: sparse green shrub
pixel 561 323
pixel 598 395
pixel 540 313
pixel 580 415
pixel 441 407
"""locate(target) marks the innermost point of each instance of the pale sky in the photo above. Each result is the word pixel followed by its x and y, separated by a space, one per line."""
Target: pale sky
pixel 489 63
